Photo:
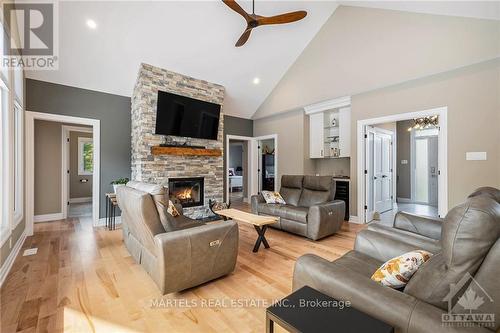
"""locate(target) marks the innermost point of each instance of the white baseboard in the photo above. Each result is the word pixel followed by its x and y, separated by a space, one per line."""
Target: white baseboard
pixel 354 219
pixel 48 217
pixel 80 200
pixel 102 221
pixel 404 200
pixel 7 265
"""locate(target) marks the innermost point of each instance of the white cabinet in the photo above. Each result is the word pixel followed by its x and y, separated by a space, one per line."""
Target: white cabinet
pixel 330 133
pixel 316 135
pixel 345 132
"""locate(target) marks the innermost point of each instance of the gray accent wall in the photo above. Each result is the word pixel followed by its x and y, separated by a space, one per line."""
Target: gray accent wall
pixel 235 126
pixel 403 153
pixel 48 155
pixel 113 111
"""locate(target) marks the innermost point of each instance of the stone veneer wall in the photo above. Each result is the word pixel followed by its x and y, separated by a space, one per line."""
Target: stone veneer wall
pixel 157 169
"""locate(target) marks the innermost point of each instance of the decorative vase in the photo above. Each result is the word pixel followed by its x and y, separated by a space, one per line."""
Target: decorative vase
pixel 115 186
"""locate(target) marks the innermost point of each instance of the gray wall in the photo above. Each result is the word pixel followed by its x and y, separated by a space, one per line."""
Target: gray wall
pixel 77 189
pixel 403 153
pixel 113 111
pixel 47 167
pixel 235 126
pixel 236 155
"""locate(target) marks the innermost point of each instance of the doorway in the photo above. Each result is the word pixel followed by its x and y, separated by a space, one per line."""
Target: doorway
pixel 433 146
pixel 30 118
pixel 424 171
pixel 238 170
pixel 77 171
pixel 267 162
pixel 258 169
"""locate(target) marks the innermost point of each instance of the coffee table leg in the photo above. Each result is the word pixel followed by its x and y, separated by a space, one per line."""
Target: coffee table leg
pixel 261 239
pixel 269 325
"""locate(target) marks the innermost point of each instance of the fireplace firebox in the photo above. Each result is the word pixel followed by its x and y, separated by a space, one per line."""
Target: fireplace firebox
pixel 188 191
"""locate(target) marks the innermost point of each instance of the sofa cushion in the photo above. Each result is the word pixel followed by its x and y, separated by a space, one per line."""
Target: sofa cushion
pixel 159 195
pixel 293 213
pixel 487 191
pixel 269 209
pixel 318 183
pixel 316 190
pixel 291 188
pixel 292 181
pixel 396 272
pixel 469 232
pixel 359 263
pixel 291 195
pixel 273 197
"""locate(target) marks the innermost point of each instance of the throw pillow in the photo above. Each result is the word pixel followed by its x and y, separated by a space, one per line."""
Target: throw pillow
pixel 172 210
pixel 273 197
pixel 396 272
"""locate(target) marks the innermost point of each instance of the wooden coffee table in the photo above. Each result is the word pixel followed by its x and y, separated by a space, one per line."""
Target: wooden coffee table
pixel 259 222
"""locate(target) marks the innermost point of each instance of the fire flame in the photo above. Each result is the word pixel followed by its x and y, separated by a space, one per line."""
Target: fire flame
pixel 185 194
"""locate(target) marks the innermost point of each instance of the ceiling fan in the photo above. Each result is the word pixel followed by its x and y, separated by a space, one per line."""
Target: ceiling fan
pixel 254 20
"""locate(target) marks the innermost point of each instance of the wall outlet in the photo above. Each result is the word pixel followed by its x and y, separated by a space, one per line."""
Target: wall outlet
pixel 404 161
pixel 30 252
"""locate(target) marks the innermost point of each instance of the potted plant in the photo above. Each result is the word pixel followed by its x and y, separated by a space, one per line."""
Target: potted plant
pixel 119 182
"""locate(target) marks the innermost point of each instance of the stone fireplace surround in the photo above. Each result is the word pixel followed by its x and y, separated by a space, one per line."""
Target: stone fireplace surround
pixel 157 169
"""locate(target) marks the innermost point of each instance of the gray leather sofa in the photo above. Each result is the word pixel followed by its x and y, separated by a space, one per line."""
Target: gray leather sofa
pixel 178 253
pixel 310 209
pixel 469 241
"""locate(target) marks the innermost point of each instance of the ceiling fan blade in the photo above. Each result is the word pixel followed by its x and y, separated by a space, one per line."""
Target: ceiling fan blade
pixel 244 37
pixel 283 18
pixel 234 6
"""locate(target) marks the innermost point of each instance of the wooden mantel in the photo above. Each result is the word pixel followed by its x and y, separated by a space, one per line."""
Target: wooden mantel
pixel 185 151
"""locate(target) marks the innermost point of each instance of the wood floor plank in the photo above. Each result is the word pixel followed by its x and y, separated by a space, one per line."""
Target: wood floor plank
pixel 84 280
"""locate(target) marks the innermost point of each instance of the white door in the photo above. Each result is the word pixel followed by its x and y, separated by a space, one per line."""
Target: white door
pixel 425 171
pixel 316 135
pixel 382 173
pixel 369 206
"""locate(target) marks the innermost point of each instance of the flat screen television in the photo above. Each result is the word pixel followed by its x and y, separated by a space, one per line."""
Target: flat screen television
pixel 188 117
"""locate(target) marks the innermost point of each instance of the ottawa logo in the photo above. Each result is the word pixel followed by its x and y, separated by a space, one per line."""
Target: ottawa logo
pixel 469 305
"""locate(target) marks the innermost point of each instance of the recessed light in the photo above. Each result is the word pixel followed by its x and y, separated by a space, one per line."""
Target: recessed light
pixel 91 24
pixel 256 80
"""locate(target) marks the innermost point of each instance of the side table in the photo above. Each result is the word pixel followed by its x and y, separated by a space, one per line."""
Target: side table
pixel 111 204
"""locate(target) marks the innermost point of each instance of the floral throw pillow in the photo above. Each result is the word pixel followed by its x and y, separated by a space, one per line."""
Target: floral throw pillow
pixel 273 197
pixel 396 272
pixel 172 210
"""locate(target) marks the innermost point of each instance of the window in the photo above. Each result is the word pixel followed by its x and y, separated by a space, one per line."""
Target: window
pixel 85 156
pixel 4 218
pixel 18 168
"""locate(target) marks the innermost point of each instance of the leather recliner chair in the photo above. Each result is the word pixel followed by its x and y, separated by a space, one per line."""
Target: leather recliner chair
pixel 469 245
pixel 310 208
pixel 179 253
pixel 418 232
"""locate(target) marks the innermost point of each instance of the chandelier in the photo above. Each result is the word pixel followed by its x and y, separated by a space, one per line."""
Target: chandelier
pixel 425 122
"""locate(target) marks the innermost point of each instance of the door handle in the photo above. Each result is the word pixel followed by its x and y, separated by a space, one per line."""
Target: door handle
pixel 374 177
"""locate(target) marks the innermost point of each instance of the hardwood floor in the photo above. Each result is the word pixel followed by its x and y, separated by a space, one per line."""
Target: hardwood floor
pixel 83 280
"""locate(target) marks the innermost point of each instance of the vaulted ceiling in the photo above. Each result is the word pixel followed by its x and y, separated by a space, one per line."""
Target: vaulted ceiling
pixel 196 38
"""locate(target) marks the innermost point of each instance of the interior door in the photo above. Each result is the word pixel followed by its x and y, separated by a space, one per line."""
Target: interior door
pixel 369 194
pixel 382 172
